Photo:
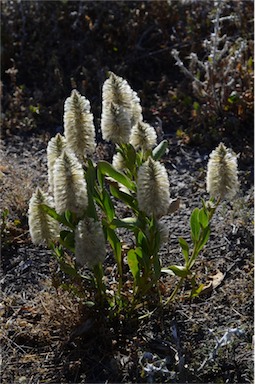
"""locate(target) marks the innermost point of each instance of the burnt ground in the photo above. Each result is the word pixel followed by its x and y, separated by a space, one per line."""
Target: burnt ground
pixel 47 338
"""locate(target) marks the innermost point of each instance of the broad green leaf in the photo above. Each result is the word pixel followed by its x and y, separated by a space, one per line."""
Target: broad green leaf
pixel 68 269
pixel 127 222
pixel 126 198
pixel 60 218
pixel 177 270
pixel 108 170
pixel 115 244
pixel 108 206
pixel 185 248
pixel 100 178
pixel 69 216
pixel 143 241
pixel 206 235
pixel 203 219
pixel 67 239
pixel 133 263
pixel 195 225
pixel 160 150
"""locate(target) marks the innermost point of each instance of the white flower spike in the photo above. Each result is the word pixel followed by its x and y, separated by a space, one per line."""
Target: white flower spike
pixel 222 174
pixel 153 193
pixel 42 227
pixel 143 136
pixel 70 188
pixel 79 128
pixel 54 149
pixel 89 243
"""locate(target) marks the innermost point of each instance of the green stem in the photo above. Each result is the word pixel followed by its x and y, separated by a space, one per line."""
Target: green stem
pixel 176 289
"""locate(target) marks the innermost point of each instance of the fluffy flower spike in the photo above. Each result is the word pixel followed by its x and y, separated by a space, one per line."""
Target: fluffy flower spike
pixel 117 90
pixel 143 136
pixel 121 109
pixel 54 149
pixel 116 124
pixel 42 227
pixel 222 174
pixel 78 125
pixel 89 243
pixel 153 193
pixel 70 188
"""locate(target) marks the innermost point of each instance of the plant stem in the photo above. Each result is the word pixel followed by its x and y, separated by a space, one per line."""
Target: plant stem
pixel 176 289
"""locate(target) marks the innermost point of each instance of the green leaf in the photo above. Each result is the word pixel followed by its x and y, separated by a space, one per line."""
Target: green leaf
pixel 68 216
pixel 100 178
pixel 108 170
pixel 133 263
pixel 203 219
pixel 125 197
pixel 89 304
pixel 60 218
pixel 143 241
pixel 160 150
pixel 115 244
pixel 206 235
pixel 195 225
pixel 67 239
pixel 68 269
pixel 127 222
pixel 108 206
pixel 185 248
pixel 176 270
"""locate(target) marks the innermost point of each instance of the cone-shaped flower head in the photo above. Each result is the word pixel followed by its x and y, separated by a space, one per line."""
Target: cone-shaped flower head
pixel 117 90
pixel 143 136
pixel 78 125
pixel 222 174
pixel 89 243
pixel 120 111
pixel 70 189
pixel 153 193
pixel 116 124
pixel 42 227
pixel 54 149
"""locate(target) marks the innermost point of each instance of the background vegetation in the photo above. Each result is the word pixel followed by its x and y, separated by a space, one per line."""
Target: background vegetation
pixel 50 47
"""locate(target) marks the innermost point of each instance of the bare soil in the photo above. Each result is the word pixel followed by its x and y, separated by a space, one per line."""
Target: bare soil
pixel 47 337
